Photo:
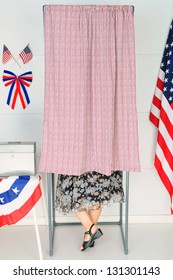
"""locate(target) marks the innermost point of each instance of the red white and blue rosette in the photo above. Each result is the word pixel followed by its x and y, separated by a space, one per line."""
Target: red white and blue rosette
pixel 18 85
pixel 18 195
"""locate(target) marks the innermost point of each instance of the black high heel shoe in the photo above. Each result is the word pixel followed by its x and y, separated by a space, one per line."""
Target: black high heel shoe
pixel 94 236
pixel 98 234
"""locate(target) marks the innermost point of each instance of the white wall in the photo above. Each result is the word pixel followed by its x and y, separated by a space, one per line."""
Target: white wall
pixel 21 23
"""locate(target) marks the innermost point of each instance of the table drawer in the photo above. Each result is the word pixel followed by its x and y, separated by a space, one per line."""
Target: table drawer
pixel 17 158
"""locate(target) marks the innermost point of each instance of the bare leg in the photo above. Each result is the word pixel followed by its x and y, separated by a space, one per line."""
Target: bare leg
pixel 94 215
pixel 84 218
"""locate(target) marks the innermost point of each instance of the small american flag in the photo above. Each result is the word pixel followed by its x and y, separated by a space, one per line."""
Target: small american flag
pixel 6 56
pixel 161 115
pixel 26 55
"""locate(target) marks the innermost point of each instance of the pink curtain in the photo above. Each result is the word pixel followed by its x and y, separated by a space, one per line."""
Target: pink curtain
pixel 90 118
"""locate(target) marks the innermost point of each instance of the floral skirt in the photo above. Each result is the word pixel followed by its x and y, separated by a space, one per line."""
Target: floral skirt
pixel 88 191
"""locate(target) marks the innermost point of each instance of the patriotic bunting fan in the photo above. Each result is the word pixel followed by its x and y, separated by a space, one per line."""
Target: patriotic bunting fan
pixel 18 195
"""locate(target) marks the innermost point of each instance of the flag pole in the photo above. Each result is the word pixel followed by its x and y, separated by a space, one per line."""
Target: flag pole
pixel 15 60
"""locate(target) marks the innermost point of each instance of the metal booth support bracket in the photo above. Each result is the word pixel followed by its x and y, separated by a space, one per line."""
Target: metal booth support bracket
pixel 51 213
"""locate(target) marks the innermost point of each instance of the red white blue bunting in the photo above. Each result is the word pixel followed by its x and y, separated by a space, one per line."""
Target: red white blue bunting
pixel 18 195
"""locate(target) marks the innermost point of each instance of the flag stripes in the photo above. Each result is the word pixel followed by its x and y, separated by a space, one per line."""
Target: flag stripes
pixel 163 175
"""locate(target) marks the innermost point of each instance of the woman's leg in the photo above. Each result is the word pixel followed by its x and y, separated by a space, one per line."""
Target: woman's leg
pixel 84 218
pixel 95 214
pixel 86 221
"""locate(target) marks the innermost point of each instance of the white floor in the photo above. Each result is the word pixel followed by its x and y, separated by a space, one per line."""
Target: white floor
pixel 146 242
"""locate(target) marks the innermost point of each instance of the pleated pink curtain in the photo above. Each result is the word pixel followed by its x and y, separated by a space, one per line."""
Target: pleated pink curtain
pixel 90 118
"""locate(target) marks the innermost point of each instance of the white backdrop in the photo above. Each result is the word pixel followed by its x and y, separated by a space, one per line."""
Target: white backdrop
pixel 21 23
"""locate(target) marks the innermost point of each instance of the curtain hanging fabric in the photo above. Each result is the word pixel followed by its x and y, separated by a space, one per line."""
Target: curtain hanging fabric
pixel 90 117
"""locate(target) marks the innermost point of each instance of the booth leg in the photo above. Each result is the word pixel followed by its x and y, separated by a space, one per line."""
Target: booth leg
pixel 126 214
pixel 50 212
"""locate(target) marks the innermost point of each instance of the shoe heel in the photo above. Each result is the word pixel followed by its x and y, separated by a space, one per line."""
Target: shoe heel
pixel 92 244
pixel 98 234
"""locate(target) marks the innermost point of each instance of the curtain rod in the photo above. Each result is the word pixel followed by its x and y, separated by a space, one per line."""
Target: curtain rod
pixel 48 5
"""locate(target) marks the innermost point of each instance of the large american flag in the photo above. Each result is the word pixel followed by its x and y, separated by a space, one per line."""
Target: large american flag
pixel 161 115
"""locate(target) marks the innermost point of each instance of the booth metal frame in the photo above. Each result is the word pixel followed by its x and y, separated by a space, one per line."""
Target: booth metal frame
pixel 52 221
